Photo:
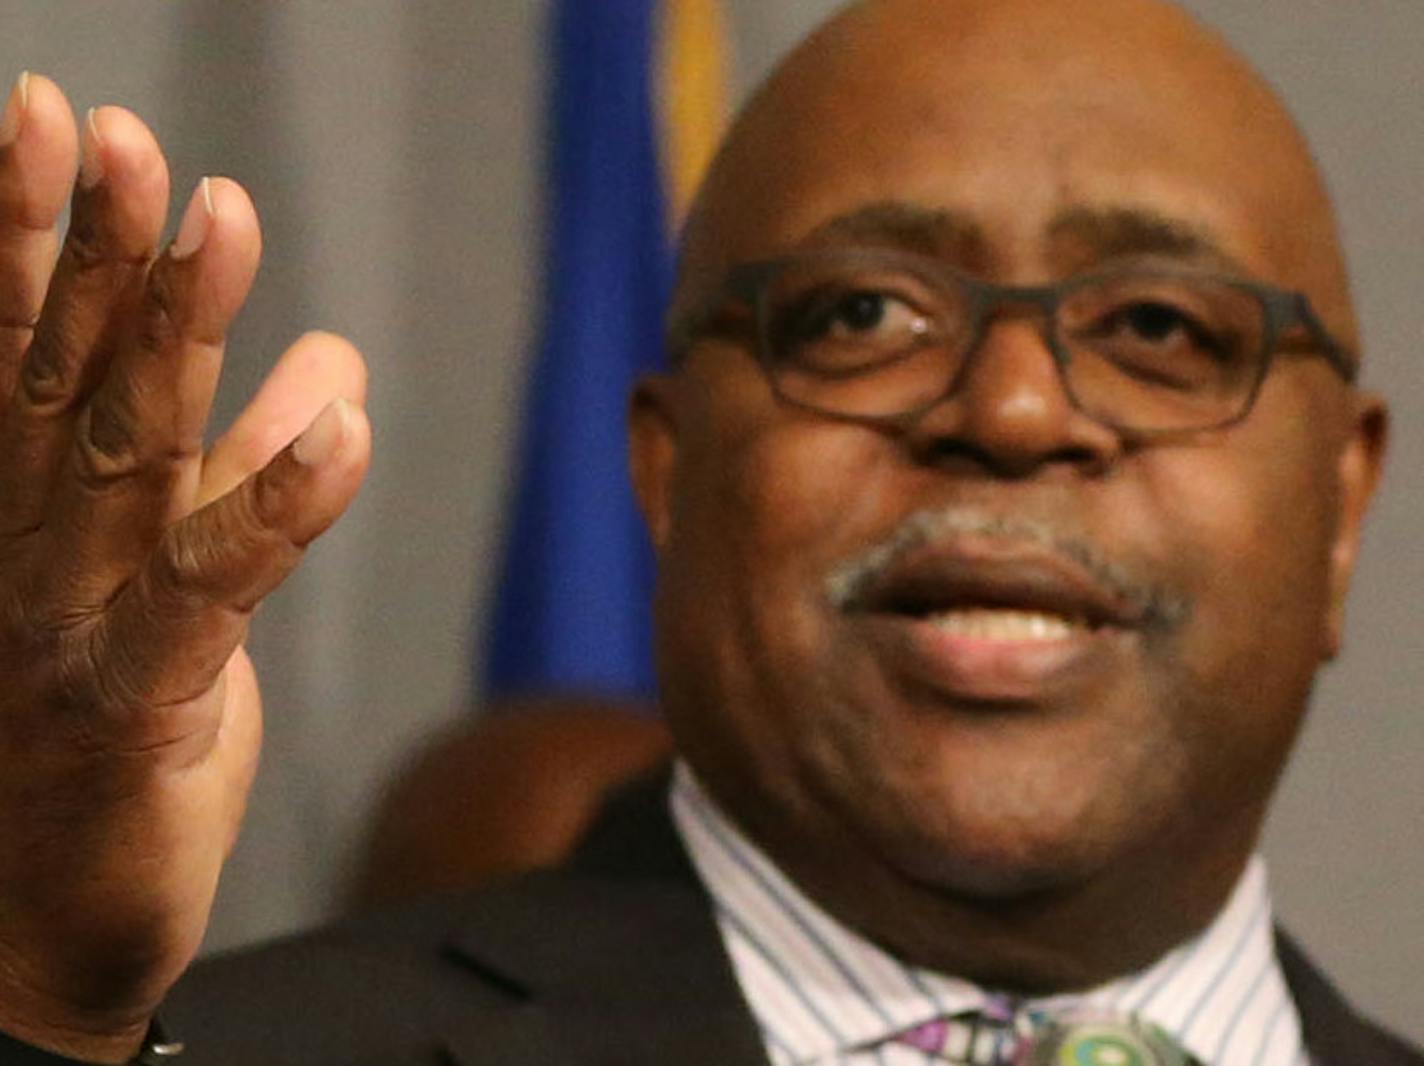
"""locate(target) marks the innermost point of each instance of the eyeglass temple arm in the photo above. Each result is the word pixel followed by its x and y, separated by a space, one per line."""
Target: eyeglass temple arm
pixel 1345 364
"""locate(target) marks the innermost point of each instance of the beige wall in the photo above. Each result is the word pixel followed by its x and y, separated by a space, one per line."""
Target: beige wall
pixel 391 147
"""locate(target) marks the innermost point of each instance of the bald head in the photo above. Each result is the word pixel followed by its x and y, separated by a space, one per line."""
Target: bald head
pixel 1013 114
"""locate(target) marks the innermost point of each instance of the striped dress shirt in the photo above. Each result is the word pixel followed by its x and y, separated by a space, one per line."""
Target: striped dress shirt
pixel 822 994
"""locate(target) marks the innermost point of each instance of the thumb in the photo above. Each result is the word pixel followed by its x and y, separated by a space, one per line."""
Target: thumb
pixel 317 369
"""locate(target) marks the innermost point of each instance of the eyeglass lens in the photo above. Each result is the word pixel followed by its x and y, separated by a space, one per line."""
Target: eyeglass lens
pixel 1152 351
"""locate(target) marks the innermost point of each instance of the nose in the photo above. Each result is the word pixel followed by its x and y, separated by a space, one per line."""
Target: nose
pixel 1009 412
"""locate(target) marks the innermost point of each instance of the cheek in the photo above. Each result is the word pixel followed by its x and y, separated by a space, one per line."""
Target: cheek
pixel 1247 537
pixel 1254 535
pixel 790 498
pixel 763 512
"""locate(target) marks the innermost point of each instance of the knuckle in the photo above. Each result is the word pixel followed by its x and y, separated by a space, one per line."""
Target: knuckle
pixel 117 681
pixel 106 690
pixel 260 517
pixel 60 356
pixel 180 573
pixel 47 378
pixel 262 506
pixel 85 246
pixel 158 319
pixel 105 448
pixel 197 572
pixel 254 544
pixel 112 445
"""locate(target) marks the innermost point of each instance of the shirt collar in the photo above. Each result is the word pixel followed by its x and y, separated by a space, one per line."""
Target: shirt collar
pixel 820 990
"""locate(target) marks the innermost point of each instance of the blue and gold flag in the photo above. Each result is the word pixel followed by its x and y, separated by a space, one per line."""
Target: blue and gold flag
pixel 636 106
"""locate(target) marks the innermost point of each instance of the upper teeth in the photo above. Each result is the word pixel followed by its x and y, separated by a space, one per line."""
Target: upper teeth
pixel 986 624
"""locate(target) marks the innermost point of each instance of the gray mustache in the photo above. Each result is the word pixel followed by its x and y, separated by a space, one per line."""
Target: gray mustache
pixel 1160 607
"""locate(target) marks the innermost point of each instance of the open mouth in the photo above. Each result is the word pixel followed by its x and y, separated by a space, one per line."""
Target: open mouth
pixel 987 623
pixel 991 589
pixel 992 620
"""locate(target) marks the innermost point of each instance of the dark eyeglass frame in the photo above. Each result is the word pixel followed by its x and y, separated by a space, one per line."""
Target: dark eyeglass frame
pixel 748 284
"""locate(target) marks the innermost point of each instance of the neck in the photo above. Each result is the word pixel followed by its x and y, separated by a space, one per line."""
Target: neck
pixel 1075 934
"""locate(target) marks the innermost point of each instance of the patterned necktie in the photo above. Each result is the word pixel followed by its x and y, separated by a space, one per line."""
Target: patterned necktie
pixel 1003 1034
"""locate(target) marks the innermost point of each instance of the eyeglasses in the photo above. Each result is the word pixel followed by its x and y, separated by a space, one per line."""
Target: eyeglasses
pixel 882 335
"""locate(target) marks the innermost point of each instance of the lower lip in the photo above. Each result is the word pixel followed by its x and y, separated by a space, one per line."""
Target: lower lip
pixel 987 670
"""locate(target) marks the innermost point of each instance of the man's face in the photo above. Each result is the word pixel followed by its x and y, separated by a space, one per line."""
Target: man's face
pixel 1065 649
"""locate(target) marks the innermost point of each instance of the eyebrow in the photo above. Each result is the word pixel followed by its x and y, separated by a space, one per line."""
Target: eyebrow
pixel 1103 233
pixel 938 232
pixel 1137 232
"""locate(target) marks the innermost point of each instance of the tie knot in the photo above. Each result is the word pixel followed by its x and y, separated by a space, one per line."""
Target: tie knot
pixel 1008 1035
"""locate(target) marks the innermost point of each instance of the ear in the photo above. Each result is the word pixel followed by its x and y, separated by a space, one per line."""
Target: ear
pixel 653 451
pixel 1360 463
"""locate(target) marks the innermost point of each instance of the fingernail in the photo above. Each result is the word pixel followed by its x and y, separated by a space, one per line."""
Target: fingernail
pixel 319 441
pixel 193 230
pixel 15 107
pixel 91 163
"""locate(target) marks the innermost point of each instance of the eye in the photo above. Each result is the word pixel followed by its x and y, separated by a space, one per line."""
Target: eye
pixel 841 317
pixel 859 314
pixel 1159 324
pixel 1179 334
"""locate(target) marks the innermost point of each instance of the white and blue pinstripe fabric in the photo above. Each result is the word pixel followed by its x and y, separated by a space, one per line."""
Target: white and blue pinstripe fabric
pixel 824 995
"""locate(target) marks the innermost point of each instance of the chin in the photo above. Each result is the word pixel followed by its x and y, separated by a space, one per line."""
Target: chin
pixel 991 863
pixel 997 838
pixel 997 873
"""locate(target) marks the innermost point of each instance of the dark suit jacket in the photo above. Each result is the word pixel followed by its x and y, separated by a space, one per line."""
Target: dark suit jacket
pixel 613 961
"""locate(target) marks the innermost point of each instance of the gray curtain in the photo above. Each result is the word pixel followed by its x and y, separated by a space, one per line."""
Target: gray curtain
pixel 393 151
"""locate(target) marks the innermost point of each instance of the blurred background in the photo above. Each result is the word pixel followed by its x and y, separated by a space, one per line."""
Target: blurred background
pixel 396 152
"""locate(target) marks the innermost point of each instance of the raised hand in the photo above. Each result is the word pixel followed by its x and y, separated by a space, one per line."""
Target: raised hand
pixel 130 562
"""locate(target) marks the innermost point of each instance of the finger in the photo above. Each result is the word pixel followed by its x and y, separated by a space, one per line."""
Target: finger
pixel 172 630
pixel 116 218
pixel 137 450
pixel 318 368
pixel 38 151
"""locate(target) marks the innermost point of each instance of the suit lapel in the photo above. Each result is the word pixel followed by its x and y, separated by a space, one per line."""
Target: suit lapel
pixel 1334 1034
pixel 616 960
